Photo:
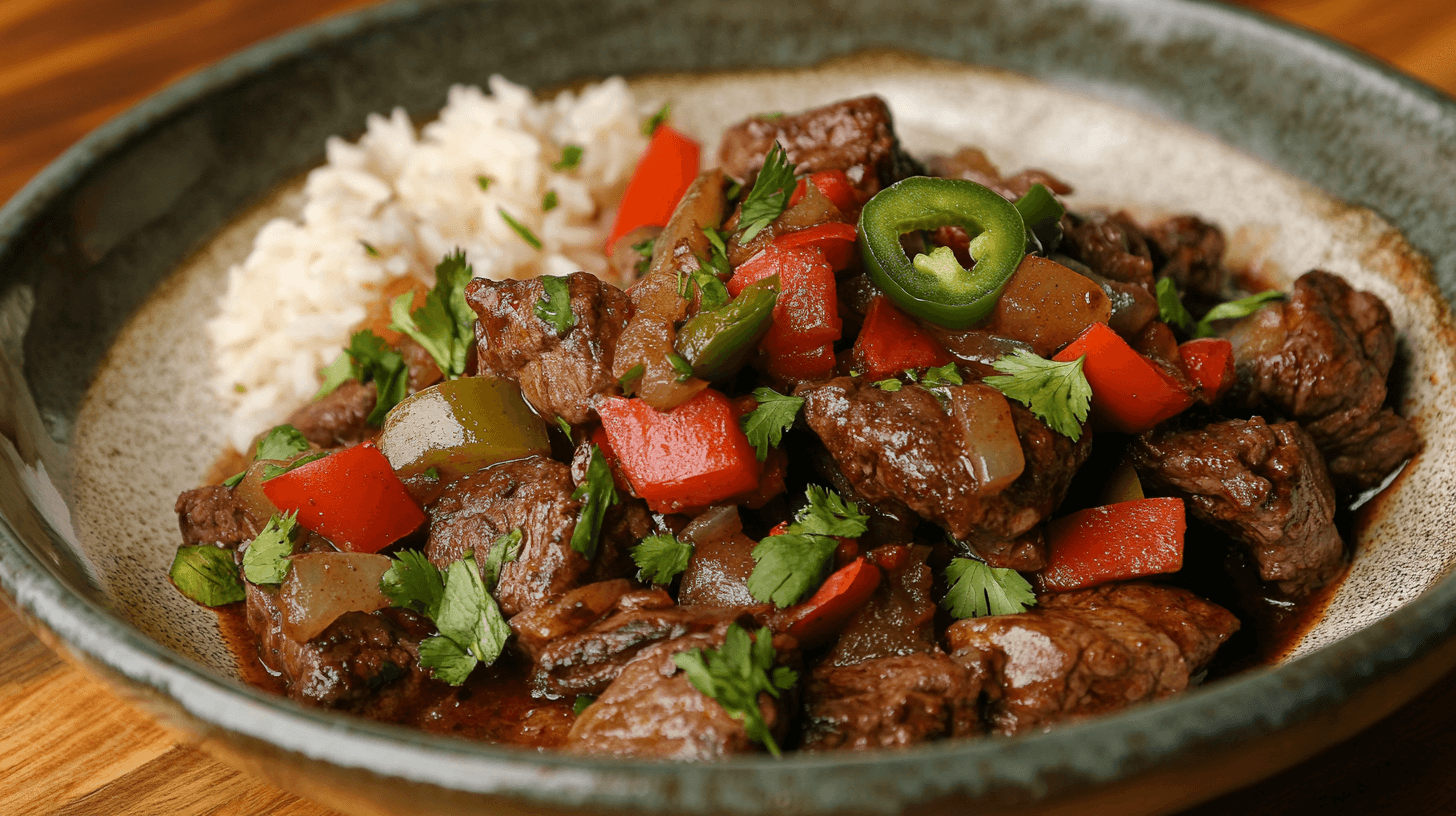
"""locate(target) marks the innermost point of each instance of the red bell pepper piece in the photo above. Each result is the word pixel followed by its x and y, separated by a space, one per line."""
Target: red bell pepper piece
pixel 814 364
pixel 828 609
pixel 834 185
pixel 1130 393
pixel 835 240
pixel 806 317
pixel 890 342
pixel 1209 363
pixel 1114 542
pixel 663 174
pixel 690 456
pixel 351 497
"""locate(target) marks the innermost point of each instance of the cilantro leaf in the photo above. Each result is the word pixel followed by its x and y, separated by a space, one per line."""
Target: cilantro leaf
pixel 564 426
pixel 645 250
pixel 483 181
pixel 712 293
pixel 1057 393
pixel 766 424
pixel 549 201
pixel 266 559
pixel 717 262
pixel 335 374
pixel 1170 307
pixel 570 158
pixel 656 120
pixel 787 566
pixel 941 263
pixel 445 324
pixel 1234 309
pixel 554 306
pixel 680 364
pixel 368 358
pixel 449 661
pixel 472 623
pixel 662 557
pixel 596 494
pixel 736 674
pixel 413 582
pixel 280 443
pixel 891 385
pixel 770 194
pixel 369 249
pixel 519 228
pixel 632 378
pixel 828 514
pixel 581 703
pixel 945 375
pixel 271 470
pixel 977 590
pixel 207 575
pixel 503 551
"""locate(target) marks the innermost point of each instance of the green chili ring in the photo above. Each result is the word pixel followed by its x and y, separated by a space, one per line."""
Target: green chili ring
pixel 998 243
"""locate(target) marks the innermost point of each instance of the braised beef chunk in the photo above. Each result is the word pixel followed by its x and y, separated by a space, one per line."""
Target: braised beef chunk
pixel 856 136
pixel 902 446
pixel 560 375
pixel 1088 652
pixel 361 658
pixel 423 370
pixel 651 710
pixel 1322 358
pixel 1266 485
pixel 898 620
pixel 210 515
pixel 1190 251
pixel 337 420
pixel 567 615
pixel 532 495
pixel 890 702
pixel 972 164
pixel 1112 245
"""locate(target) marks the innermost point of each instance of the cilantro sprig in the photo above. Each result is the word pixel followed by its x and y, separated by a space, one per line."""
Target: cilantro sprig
pixel 766 424
pixel 570 158
pixel 1233 310
pixel 1057 393
pixel 1170 307
pixel 977 589
pixel 656 120
pixel 368 358
pixel 281 442
pixel 266 559
pixel 596 494
pixel 788 565
pixel 736 674
pixel 660 558
pixel 445 324
pixel 770 193
pixel 554 305
pixel 206 574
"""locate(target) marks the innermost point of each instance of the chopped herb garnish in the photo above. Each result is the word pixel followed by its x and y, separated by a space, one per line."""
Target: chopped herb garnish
pixel 570 158
pixel 1233 310
pixel 549 201
pixel 554 307
pixel 369 249
pixel 766 424
pixel 596 494
pixel 445 324
pixel 645 250
pixel 233 480
pixel 581 702
pixel 520 229
pixel 683 368
pixel 718 254
pixel 788 565
pixel 891 385
pixel 239 388
pixel 945 375
pixel 503 551
pixel 661 557
pixel 771 115
pixel 712 294
pixel 472 629
pixel 656 120
pixel 206 574
pixel 770 194
pixel 281 442
pixel 632 378
pixel 483 182
pixel 1057 393
pixel 736 674
pixel 828 514
pixel 564 426
pixel 266 559
pixel 977 589
pixel 1170 307
pixel 432 473
pixel 271 470
pixel 412 582
pixel 368 358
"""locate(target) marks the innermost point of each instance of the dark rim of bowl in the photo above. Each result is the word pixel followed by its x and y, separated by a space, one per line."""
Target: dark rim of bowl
pixel 1221 715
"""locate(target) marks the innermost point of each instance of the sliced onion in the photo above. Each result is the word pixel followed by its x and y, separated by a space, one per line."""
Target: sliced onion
pixel 323 586
pixel 714 524
pixel 249 493
pixel 1123 485
pixel 992 446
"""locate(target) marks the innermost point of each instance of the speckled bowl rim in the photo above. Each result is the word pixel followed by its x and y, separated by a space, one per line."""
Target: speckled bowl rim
pixel 1100 751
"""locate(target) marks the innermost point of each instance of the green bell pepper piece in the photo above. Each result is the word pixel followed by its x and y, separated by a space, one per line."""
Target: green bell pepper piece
pixel 941 292
pixel 717 343
pixel 457 427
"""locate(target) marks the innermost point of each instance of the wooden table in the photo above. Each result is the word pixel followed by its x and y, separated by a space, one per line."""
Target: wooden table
pixel 68 747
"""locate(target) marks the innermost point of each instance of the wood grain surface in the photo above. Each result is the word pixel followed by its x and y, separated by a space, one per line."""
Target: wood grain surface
pixel 67 746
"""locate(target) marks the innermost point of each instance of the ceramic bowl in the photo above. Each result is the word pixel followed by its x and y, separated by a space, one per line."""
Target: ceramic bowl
pixel 1307 154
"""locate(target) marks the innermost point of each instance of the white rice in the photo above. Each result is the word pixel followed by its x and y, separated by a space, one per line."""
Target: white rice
pixel 414 197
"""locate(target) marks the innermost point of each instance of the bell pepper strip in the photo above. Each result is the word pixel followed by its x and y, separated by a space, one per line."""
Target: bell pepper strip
pixel 663 174
pixel 890 342
pixel 816 620
pixel 716 344
pixel 834 239
pixel 459 426
pixel 947 295
pixel 690 456
pixel 1130 393
pixel 351 497
pixel 1209 363
pixel 835 186
pixel 1115 542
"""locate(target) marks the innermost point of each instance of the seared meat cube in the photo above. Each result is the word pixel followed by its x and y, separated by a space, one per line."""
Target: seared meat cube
pixel 652 710
pixel 1264 484
pixel 1112 245
pixel 338 419
pixel 903 447
pixel 898 620
pixel 561 376
pixel 890 702
pixel 1190 251
pixel 856 136
pixel 972 164
pixel 361 658
pixel 1322 358
pixel 211 515
pixel 1088 652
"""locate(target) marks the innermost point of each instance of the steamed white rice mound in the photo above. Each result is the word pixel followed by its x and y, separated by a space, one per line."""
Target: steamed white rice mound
pixel 394 203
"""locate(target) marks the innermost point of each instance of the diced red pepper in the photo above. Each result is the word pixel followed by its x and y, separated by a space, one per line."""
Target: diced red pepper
pixel 1114 542
pixel 690 456
pixel 351 497
pixel 827 610
pixel 802 365
pixel 1130 393
pixel 891 342
pixel 663 174
pixel 1209 363
pixel 806 317
pixel 835 186
pixel 835 240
